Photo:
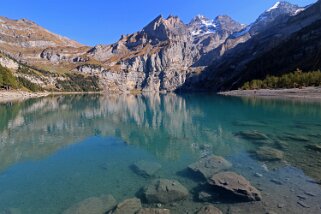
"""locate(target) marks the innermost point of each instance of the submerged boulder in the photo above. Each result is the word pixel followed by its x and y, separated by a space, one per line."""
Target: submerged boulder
pixel 210 165
pixel 93 205
pixel 209 209
pixel 252 135
pixel 266 153
pixel 153 211
pixel 293 137
pixel 165 191
pixel 234 185
pixel 129 206
pixel 146 168
pixel 314 147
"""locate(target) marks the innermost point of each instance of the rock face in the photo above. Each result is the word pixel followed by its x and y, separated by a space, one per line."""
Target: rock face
pixel 235 186
pixel 129 206
pixel 146 168
pixel 24 33
pixel 93 205
pixel 292 37
pixel 165 191
pixel 168 55
pixel 210 165
pixel 269 154
pixel 154 59
pixel 209 209
pixel 209 34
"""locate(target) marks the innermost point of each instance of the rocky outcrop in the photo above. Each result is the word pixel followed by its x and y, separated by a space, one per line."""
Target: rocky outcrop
pixel 210 165
pixel 234 186
pixel 209 209
pixel 165 191
pixel 154 59
pixel 129 206
pixel 265 153
pixel 146 168
pixel 153 211
pixel 291 37
pixel 252 135
pixel 166 54
pixel 209 34
pixel 27 34
pixel 8 63
pixel 93 205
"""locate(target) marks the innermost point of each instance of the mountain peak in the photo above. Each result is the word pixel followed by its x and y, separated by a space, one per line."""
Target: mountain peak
pixel 226 23
pixel 281 5
pixel 200 18
pixel 201 25
pixel 280 8
pixel 161 29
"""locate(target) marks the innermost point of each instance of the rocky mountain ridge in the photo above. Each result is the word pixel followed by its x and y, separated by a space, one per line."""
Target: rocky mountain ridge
pixel 252 58
pixel 161 57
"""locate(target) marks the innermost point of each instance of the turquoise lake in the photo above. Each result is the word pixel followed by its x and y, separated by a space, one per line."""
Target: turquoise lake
pixel 57 151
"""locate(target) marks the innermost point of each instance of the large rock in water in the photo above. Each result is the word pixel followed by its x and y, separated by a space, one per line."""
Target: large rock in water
pixel 235 185
pixel 165 191
pixel 209 209
pixel 210 165
pixel 129 206
pixel 146 168
pixel 153 211
pixel 265 153
pixel 93 205
pixel 252 135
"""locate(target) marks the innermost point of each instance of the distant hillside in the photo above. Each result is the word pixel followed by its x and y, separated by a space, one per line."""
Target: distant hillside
pixel 167 54
pixel 289 44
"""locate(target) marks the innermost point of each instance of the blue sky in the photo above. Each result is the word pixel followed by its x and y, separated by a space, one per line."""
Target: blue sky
pixel 103 21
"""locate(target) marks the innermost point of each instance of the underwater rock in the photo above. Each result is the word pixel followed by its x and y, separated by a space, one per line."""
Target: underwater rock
pixel 292 137
pixel 93 205
pixel 129 206
pixel 205 196
pixel 276 181
pixel 314 147
pixel 265 153
pixel 209 209
pixel 146 168
pixel 235 186
pixel 252 135
pixel 210 165
pixel 153 211
pixel 281 144
pixel 165 191
pixel 249 123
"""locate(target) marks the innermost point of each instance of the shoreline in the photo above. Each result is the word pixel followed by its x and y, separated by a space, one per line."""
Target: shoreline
pixel 13 96
pixel 308 93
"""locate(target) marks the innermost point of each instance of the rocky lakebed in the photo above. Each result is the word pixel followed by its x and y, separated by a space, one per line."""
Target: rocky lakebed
pixel 161 155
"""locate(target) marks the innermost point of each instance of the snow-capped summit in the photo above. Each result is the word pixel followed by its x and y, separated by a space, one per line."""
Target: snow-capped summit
pixel 201 25
pixel 275 6
pixel 280 8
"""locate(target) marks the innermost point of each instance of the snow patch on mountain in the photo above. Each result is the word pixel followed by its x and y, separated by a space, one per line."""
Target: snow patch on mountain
pixel 274 6
pixel 201 25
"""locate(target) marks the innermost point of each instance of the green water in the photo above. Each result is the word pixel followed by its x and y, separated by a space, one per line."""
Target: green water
pixel 57 151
